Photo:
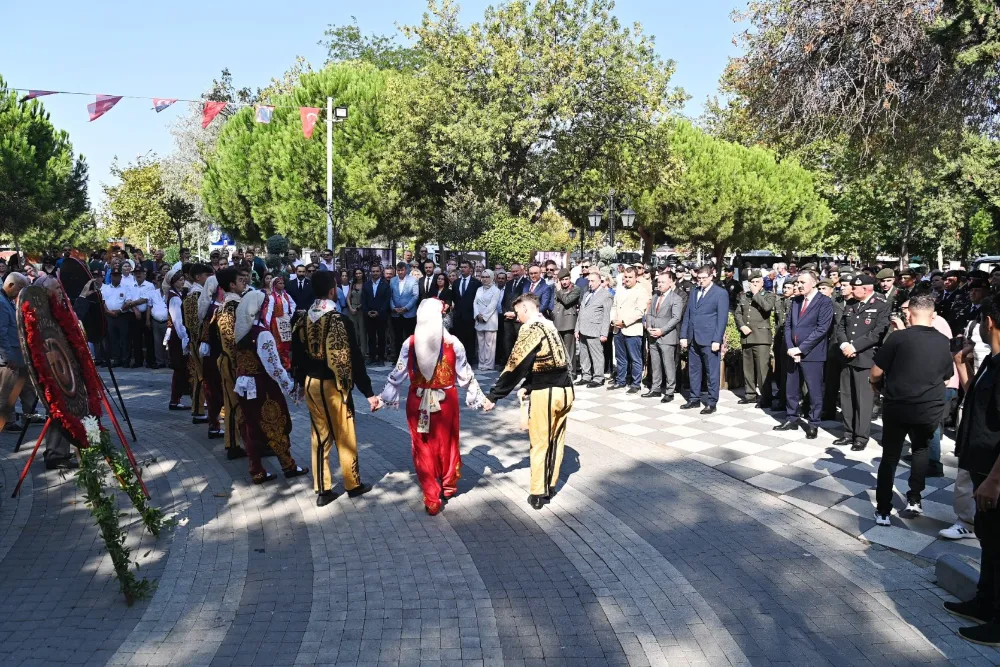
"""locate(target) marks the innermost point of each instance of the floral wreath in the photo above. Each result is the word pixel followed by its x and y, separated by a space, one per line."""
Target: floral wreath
pixel 66 319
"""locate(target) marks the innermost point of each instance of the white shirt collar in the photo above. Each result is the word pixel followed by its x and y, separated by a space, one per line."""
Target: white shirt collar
pixel 321 307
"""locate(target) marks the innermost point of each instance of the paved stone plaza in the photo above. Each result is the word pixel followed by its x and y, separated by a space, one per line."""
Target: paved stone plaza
pixel 654 552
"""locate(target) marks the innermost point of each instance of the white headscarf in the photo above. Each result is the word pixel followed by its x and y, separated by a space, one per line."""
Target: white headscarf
pixel 207 296
pixel 165 287
pixel 428 335
pixel 247 313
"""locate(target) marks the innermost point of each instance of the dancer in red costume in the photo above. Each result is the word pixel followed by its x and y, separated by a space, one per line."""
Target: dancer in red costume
pixel 435 363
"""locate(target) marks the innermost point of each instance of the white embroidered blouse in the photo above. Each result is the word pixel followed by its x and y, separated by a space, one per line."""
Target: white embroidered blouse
pixel 464 375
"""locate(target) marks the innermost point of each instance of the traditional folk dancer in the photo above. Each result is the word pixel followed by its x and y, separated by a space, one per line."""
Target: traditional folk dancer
pixel 222 341
pixel 435 363
pixel 177 340
pixel 277 317
pixel 327 364
pixel 192 323
pixel 538 357
pixel 261 385
pixel 209 302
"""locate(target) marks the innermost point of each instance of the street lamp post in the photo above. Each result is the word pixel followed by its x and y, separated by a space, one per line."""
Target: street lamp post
pixel 337 115
pixel 627 217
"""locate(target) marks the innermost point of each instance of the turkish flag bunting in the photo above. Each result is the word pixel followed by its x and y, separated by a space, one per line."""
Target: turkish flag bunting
pixel 102 105
pixel 32 94
pixel 309 116
pixel 160 103
pixel 212 109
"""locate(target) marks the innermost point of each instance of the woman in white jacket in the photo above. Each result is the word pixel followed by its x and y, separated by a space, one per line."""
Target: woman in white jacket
pixel 485 310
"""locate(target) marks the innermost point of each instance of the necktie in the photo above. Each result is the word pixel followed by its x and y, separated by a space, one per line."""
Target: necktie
pixel 586 299
pixel 701 293
pixel 465 281
pixel 805 304
pixel 532 290
pixel 659 300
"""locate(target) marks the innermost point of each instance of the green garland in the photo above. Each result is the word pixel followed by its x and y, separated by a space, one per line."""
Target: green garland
pixel 95 461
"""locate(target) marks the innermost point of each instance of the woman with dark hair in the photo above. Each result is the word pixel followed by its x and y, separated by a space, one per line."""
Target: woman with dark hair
pixel 445 295
pixel 354 313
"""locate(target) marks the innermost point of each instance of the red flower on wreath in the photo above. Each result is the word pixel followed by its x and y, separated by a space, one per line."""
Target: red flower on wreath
pixel 67 321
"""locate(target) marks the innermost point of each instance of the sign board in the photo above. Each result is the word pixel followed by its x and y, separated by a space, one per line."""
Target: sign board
pixel 353 258
pixel 558 256
pixel 473 256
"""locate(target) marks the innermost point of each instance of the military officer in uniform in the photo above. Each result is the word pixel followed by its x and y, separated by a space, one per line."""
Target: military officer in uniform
pixel 753 319
pixel 862 328
pixel 778 349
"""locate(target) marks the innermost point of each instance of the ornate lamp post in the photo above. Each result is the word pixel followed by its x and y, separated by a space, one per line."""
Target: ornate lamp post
pixel 626 217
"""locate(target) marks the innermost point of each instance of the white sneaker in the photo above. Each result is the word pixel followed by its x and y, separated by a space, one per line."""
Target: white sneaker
pixel 957 532
pixel 883 519
pixel 914 507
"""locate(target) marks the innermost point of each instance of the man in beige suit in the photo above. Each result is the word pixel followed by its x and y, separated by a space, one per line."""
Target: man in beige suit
pixel 627 311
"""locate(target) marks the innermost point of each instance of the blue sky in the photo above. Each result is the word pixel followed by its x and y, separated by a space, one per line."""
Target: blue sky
pixel 174 49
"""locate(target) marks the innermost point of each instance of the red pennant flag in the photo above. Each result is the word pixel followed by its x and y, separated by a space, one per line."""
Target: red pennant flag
pixel 212 109
pixel 32 94
pixel 160 103
pixel 309 116
pixel 102 105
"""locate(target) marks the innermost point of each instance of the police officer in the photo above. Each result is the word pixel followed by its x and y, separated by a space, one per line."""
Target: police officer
pixel 862 328
pixel 753 319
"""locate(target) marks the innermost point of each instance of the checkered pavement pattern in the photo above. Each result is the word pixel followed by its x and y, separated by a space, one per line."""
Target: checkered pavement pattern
pixel 832 483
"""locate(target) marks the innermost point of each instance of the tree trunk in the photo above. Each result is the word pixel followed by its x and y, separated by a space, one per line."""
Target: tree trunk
pixel 904 251
pixel 963 254
pixel 719 253
pixel 647 246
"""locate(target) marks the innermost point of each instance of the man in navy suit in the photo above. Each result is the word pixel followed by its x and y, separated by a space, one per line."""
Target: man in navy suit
pixel 463 294
pixel 375 304
pixel 806 327
pixel 300 289
pixel 702 332
pixel 539 288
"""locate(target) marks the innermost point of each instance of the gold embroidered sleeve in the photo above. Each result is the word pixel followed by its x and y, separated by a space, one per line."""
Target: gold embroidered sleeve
pixel 338 352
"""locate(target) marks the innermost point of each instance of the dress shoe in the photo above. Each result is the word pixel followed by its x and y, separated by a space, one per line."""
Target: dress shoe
pixel 844 441
pixel 199 420
pixel 359 490
pixel 708 409
pixel 177 406
pixel 667 398
pixel 234 453
pixel 325 498
pixel 746 401
pixel 612 387
pixel 212 435
pixel 691 405
pixel 633 390
pixel 62 463
pixel 652 394
pixel 582 383
pixel 811 432
pixel 594 384
pixel 786 426
pixel 297 471
pixel 859 446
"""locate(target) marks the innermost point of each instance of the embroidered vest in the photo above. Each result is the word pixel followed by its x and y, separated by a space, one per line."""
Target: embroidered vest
pixel 247 362
pixel 444 372
pixel 226 321
pixel 189 312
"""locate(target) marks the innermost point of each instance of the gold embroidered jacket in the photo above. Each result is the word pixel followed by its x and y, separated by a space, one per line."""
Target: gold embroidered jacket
pixel 327 350
pixel 538 358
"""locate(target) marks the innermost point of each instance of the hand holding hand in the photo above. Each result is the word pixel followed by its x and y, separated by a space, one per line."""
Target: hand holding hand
pixel 375 403
pixel 684 344
pixel 488 405
pixel 849 351
pixel 655 333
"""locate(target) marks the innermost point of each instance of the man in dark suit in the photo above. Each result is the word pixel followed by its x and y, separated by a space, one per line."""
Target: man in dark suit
pixel 536 285
pixel 464 296
pixel 375 304
pixel 807 325
pixel 512 290
pixel 859 334
pixel 704 329
pixel 427 287
pixel 300 289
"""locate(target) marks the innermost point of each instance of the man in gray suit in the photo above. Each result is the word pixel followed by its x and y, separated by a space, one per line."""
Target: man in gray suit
pixel 663 321
pixel 592 327
pixel 564 315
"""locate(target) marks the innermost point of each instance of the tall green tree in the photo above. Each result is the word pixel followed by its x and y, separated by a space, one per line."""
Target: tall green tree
pixel 134 207
pixel 43 186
